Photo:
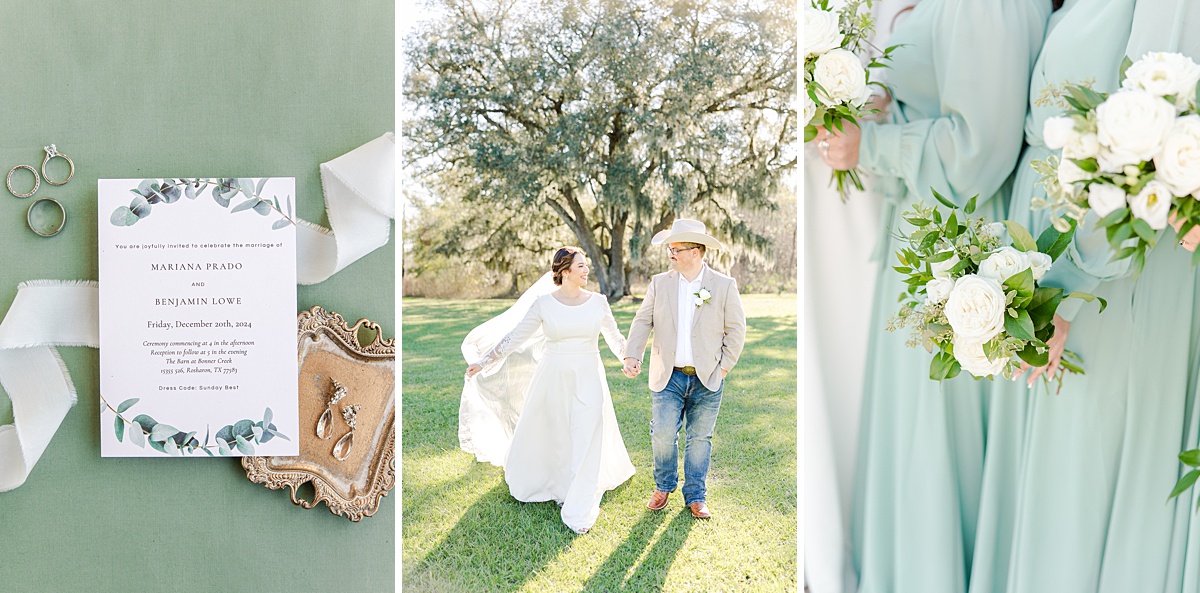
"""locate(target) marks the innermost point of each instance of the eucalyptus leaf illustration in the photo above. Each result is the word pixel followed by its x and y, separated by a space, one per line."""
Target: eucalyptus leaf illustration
pixel 167 439
pixel 223 190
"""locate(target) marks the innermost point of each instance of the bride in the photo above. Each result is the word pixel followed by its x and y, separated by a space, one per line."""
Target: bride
pixel 536 401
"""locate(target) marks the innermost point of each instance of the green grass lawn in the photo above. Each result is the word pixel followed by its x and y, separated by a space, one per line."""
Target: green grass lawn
pixel 463 532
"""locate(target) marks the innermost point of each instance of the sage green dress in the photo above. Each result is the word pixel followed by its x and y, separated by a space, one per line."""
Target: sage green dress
pixel 959 88
pixel 1093 464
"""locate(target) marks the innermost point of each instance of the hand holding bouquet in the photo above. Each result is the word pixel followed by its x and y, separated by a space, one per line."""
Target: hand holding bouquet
pixel 974 298
pixel 1132 156
pixel 836 84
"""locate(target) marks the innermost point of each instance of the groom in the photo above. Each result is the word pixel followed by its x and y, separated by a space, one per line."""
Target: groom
pixel 699 329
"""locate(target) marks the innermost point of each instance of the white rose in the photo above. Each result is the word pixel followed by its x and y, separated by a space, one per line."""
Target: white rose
pixel 1059 131
pixel 821 32
pixel 810 108
pixel 975 308
pixel 1178 164
pixel 1069 173
pixel 1040 264
pixel 1003 264
pixel 1132 125
pixel 938 289
pixel 1162 74
pixel 1106 199
pixel 969 354
pixel 843 78
pixel 1152 204
pixel 942 269
pixel 1083 146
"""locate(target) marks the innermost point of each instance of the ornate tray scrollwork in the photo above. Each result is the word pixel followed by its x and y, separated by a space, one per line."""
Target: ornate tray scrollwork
pixel 329 349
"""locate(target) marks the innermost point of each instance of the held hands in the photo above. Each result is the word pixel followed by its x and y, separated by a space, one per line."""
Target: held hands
pixel 1057 343
pixel 474 370
pixel 633 367
pixel 839 150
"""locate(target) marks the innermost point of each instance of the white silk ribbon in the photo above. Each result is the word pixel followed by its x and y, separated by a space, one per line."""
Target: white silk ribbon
pixel 360 197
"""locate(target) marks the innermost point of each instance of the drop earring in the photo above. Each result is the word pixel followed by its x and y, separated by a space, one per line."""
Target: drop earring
pixel 341 450
pixel 325 423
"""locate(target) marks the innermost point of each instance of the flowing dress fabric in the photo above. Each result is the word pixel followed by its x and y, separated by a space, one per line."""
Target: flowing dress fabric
pixel 959 89
pixel 1093 464
pixel 567 446
pixel 492 400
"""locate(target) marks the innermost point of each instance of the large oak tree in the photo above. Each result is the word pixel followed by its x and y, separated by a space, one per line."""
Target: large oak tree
pixel 615 116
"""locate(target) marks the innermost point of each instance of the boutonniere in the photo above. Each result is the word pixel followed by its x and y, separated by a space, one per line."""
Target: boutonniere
pixel 702 297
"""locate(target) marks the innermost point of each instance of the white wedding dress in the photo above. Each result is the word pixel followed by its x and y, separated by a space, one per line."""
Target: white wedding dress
pixel 554 430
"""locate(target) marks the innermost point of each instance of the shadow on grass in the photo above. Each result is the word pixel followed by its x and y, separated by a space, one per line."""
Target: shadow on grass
pixel 652 572
pixel 469 552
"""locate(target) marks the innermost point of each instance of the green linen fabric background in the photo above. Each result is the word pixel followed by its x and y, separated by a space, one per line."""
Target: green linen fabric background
pixel 184 88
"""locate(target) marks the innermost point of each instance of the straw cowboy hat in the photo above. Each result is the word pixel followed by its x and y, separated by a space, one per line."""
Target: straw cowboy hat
pixel 686 230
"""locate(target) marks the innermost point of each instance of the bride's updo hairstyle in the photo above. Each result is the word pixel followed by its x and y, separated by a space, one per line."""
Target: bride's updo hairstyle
pixel 563 258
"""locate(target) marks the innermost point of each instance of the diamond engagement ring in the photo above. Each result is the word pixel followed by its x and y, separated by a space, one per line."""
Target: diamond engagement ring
pixel 51 152
pixel 823 147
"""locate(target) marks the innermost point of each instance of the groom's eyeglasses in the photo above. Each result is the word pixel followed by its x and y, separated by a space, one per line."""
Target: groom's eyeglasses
pixel 676 251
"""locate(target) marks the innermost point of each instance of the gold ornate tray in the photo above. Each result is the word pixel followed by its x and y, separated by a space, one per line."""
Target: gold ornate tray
pixel 329 349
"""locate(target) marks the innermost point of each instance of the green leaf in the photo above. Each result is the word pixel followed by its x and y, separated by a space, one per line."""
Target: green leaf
pixel 125 405
pixel 1032 357
pixel 261 183
pixel 242 428
pixel 207 452
pixel 1021 238
pixel 1184 483
pixel 267 417
pixel 220 197
pixel 263 207
pixel 244 446
pixel 952 226
pixel 1089 298
pixel 136 435
pixel 943 200
pixel 248 204
pixel 970 207
pixel 170 447
pixel 123 216
pixel 1143 230
pixel 810 133
pixel 289 202
pixel 162 432
pixel 1113 217
pixel 223 447
pixel 279 224
pixel 1089 165
pixel 1125 64
pixel 258 433
pixel 1021 327
pixel 119 428
pixel 1042 306
pixel 941 256
pixel 1023 283
pixel 943 366
pixel 1054 243
pixel 1191 457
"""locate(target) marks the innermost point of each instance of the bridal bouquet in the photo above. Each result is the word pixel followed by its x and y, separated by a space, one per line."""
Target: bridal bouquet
pixel 974 297
pixel 836 84
pixel 1133 156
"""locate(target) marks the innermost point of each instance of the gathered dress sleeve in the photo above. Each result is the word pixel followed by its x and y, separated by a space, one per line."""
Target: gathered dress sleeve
pixel 611 332
pixel 983 54
pixel 513 339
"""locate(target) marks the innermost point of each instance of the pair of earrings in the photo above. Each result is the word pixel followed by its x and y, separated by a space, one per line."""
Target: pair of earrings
pixel 341 449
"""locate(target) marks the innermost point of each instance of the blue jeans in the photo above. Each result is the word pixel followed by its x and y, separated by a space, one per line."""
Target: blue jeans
pixel 684 397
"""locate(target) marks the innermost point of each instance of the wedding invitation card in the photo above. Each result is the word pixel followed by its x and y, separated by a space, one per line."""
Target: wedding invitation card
pixel 198 352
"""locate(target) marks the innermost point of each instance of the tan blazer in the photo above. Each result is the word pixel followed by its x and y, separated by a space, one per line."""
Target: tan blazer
pixel 718 329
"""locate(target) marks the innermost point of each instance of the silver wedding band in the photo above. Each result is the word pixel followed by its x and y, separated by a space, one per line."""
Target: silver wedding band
pixel 37 181
pixel 49 233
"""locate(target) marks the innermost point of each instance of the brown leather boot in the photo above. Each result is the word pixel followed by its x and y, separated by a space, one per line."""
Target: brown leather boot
pixel 699 510
pixel 658 501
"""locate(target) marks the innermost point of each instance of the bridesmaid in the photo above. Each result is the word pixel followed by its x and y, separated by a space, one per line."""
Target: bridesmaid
pixel 959 87
pixel 1097 460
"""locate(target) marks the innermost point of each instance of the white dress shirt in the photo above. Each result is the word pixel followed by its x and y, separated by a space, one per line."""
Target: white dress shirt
pixel 687 312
